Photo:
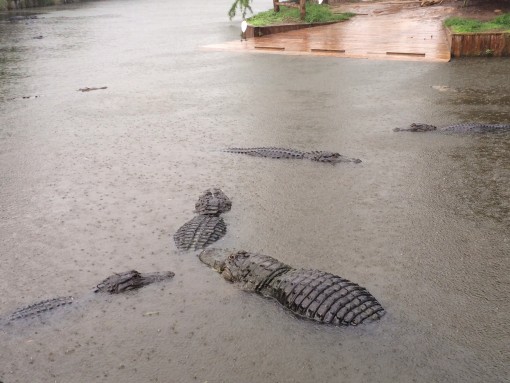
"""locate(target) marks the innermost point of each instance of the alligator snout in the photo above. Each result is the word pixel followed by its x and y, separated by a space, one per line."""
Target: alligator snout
pixel 214 258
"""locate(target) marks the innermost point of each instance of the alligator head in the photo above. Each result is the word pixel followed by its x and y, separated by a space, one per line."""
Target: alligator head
pixel 330 157
pixel 130 280
pixel 213 202
pixel 416 127
pixel 224 262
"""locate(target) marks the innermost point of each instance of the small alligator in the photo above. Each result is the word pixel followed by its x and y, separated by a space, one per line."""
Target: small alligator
pixel 458 128
pixel 23 98
pixel 87 89
pixel 114 284
pixel 14 19
pixel 213 202
pixel 310 294
pixel 208 226
pixel 270 152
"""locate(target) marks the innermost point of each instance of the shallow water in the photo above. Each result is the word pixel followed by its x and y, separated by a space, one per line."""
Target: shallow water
pixel 98 182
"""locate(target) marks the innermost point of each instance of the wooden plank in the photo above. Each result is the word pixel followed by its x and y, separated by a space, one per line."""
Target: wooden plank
pixel 327 50
pixel 406 54
pixel 270 48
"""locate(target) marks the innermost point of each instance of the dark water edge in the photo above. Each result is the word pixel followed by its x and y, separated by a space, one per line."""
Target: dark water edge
pixel 15 5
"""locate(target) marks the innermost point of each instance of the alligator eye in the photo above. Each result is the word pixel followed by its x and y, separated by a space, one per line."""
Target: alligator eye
pixel 231 257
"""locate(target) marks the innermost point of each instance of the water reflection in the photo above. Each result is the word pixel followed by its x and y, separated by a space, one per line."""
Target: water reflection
pixel 478 90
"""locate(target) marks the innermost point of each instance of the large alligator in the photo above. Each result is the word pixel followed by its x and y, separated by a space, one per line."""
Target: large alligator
pixel 271 152
pixel 311 294
pixel 114 284
pixel 207 227
pixel 458 128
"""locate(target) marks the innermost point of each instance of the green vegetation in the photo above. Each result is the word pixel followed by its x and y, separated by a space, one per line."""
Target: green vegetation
pixel 315 13
pixel 459 25
pixel 3 5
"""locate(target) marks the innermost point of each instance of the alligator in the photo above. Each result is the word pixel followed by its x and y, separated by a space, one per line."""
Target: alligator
pixel 14 19
pixel 87 89
pixel 311 294
pixel 200 232
pixel 208 226
pixel 23 98
pixel 271 152
pixel 114 284
pixel 458 128
pixel 213 202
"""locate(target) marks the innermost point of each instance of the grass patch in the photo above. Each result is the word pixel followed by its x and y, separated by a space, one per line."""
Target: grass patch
pixel 459 25
pixel 315 13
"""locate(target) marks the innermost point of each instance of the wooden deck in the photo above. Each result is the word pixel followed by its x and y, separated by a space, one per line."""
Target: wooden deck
pixel 384 34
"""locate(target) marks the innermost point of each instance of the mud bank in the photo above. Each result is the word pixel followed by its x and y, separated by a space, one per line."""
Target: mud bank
pixel 19 4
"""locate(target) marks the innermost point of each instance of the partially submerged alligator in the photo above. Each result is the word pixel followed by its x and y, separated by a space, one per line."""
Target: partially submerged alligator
pixel 458 128
pixel 311 294
pixel 114 284
pixel 24 98
pixel 14 19
pixel 208 226
pixel 87 89
pixel 271 152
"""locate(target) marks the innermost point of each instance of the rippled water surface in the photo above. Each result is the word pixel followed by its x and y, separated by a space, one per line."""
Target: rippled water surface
pixel 98 182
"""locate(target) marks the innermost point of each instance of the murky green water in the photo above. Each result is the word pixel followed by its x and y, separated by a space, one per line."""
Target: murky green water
pixel 98 182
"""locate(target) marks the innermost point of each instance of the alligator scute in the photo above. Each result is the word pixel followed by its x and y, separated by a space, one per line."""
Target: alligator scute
pixel 40 307
pixel 199 232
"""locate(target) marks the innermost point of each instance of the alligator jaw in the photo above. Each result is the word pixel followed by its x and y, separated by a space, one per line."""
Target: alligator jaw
pixel 215 258
pixel 148 278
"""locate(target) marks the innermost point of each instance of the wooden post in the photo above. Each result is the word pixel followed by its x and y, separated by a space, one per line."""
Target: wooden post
pixel 302 8
pixel 276 6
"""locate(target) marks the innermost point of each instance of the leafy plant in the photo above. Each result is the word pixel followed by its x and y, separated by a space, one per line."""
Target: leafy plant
pixel 244 7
